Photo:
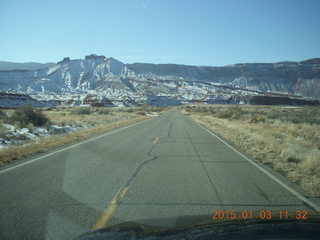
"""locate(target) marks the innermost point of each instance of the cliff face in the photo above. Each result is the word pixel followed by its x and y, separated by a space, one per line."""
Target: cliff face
pixel 64 77
pixel 302 78
pixel 135 83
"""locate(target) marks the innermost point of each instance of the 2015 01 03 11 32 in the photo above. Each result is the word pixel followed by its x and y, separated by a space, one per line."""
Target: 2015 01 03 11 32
pixel 262 214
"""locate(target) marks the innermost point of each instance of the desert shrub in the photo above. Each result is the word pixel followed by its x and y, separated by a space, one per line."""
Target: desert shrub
pixel 312 162
pixel 235 108
pixel 30 126
pixel 200 109
pixel 129 110
pixel 203 109
pixel 21 137
pixel 141 113
pixel 213 111
pixel 225 114
pixel 235 116
pixel 27 114
pixel 104 111
pixel 256 118
pixel 2 131
pixel 17 124
pixel 312 115
pixel 273 115
pixel 81 111
pixel 295 117
pixel 3 114
pixel 47 125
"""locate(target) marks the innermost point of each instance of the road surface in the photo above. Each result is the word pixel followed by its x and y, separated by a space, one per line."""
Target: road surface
pixel 161 168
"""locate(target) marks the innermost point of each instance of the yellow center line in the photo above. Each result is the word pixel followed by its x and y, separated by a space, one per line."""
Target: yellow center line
pixel 108 212
pixel 123 192
pixel 155 140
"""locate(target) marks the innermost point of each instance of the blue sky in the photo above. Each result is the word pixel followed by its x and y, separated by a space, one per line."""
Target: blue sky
pixel 197 32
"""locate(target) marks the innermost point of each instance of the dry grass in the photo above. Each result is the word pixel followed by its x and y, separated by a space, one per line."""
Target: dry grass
pixel 16 152
pixel 99 120
pixel 283 138
pixel 62 115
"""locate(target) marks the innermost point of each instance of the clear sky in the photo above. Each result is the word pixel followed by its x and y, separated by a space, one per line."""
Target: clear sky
pixel 193 32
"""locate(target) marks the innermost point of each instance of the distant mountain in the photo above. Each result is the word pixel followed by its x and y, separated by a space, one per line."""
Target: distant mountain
pixel 297 78
pixel 109 81
pixel 24 66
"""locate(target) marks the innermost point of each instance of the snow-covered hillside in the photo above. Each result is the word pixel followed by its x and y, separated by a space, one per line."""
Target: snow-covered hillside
pixel 109 81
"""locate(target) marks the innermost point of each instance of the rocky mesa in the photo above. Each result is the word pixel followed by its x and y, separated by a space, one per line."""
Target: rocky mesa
pixel 119 84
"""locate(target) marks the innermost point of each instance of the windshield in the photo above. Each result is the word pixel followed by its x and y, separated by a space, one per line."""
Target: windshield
pixel 158 113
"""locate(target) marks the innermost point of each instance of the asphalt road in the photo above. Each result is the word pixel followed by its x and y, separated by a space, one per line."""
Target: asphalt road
pixel 158 169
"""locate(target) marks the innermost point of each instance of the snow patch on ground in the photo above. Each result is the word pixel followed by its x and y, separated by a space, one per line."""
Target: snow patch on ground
pixel 12 136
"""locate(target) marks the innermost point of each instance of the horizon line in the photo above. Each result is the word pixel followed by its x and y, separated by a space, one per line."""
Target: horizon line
pixel 169 63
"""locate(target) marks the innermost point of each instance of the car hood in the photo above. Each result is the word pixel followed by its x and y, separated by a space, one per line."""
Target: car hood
pixel 201 227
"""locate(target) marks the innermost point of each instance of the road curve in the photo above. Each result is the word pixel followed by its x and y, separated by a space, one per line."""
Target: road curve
pixel 160 168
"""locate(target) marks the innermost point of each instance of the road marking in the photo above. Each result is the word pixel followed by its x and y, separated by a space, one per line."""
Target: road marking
pixel 108 212
pixel 291 190
pixel 155 140
pixel 75 145
pixel 123 192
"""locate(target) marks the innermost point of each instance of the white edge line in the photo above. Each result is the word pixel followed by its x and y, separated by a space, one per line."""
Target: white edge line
pixel 72 146
pixel 291 190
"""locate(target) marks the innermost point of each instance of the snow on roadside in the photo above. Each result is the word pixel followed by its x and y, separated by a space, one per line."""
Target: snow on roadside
pixel 12 136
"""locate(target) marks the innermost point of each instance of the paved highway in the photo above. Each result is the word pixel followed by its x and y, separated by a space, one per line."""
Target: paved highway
pixel 161 168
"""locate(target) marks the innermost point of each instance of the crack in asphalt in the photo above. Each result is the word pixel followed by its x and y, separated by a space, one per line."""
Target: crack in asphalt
pixel 136 171
pixel 155 157
pixel 138 168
